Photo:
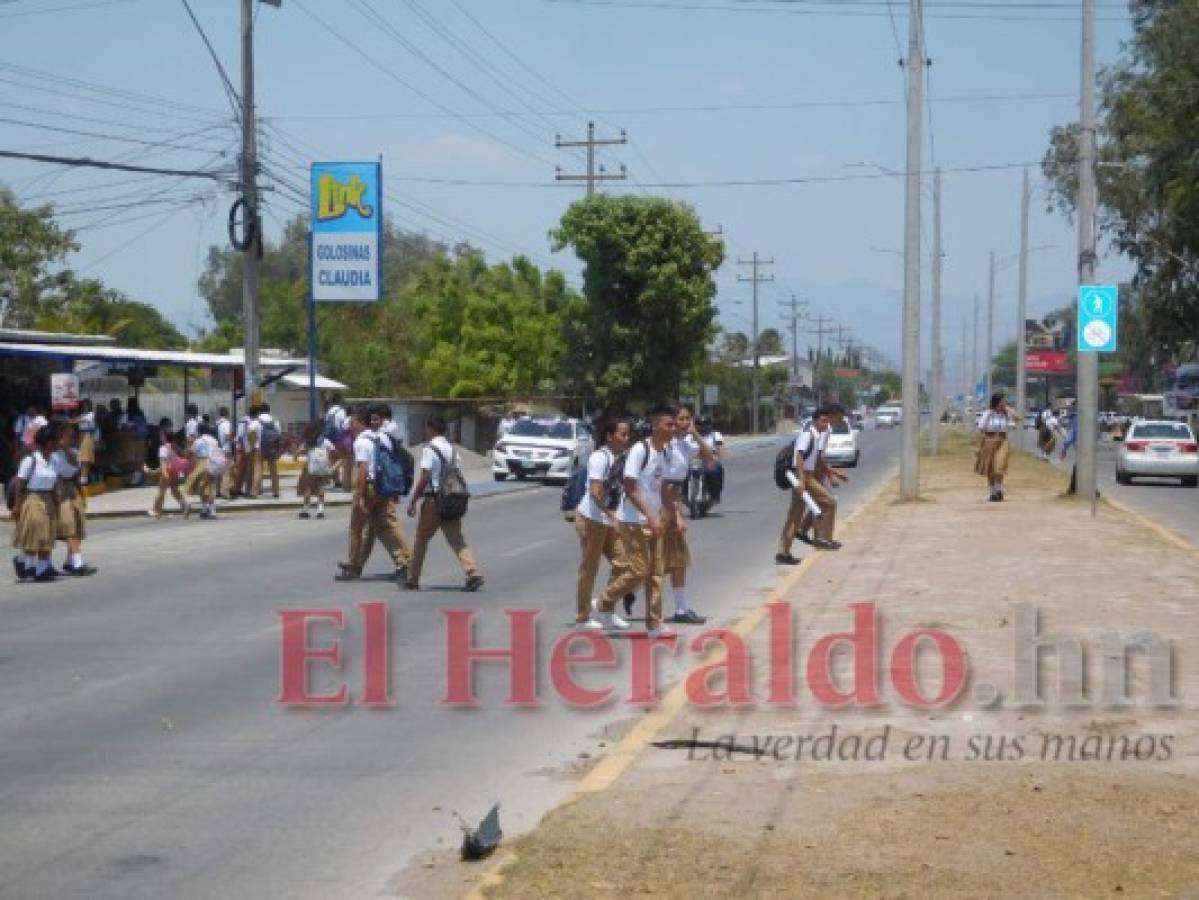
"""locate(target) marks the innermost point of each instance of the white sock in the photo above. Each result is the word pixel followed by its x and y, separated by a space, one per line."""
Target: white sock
pixel 43 565
pixel 29 560
pixel 75 560
pixel 680 600
pixel 320 507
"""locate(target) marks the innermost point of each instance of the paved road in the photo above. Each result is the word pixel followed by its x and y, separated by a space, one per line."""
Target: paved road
pixel 1162 499
pixel 142 755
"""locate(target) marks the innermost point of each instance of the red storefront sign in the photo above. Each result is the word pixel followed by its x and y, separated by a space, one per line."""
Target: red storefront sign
pixel 1046 361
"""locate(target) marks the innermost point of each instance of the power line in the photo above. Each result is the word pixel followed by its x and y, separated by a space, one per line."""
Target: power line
pixel 234 100
pixel 836 11
pixel 87 163
pixel 107 137
pixel 96 4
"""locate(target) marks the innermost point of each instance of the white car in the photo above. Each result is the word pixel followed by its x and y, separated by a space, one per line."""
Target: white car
pixel 842 448
pixel 887 416
pixel 1159 450
pixel 534 448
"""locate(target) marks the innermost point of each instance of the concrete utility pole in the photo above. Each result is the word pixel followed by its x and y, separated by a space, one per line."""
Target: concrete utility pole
pixel 756 262
pixel 1022 303
pixel 591 143
pixel 974 371
pixel 938 384
pixel 964 384
pixel 909 458
pixel 990 348
pixel 249 196
pixel 1088 362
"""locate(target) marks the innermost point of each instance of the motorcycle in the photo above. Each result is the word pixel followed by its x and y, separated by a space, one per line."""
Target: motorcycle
pixel 698 497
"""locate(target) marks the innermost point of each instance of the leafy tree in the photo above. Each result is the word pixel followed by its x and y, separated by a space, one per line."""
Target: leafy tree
pixel 1149 179
pixel 734 346
pixel 648 289
pixel 770 342
pixel 87 307
pixel 31 243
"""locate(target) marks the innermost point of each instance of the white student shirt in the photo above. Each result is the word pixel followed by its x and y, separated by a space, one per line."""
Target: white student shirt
pixel 166 453
pixel 191 428
pixel 1049 420
pixel 337 416
pixel 392 429
pixel 679 453
pixel 37 472
pixel 65 463
pixel 224 434
pixel 648 467
pixel 812 444
pixel 366 450
pixel 87 422
pixel 994 421
pixel 598 466
pixel 243 432
pixel 429 461
pixel 204 446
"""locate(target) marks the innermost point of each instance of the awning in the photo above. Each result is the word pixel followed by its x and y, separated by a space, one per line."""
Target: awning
pixel 300 380
pixel 70 352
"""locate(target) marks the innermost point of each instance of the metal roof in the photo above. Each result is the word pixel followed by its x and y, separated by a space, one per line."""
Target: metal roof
pixel 146 357
pixel 29 336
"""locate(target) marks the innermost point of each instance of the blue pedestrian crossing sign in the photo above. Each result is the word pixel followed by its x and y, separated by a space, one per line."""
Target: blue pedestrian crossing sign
pixel 1098 308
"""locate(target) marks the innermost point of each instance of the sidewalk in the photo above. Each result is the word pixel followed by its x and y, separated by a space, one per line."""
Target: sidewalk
pixel 1015 801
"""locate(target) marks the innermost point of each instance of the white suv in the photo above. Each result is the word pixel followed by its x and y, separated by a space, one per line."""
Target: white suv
pixel 537 448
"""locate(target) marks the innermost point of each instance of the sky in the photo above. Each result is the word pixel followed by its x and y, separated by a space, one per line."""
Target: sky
pixel 462 100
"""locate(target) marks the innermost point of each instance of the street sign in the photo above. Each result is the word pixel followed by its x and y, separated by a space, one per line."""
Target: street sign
pixel 711 394
pixel 1098 311
pixel 64 392
pixel 347 232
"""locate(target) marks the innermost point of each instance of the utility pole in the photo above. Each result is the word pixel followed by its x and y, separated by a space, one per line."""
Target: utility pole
pixel 249 197
pixel 937 387
pixel 1088 362
pixel 756 262
pixel 591 143
pixel 820 331
pixel 909 458
pixel 794 317
pixel 964 383
pixel 990 348
pixel 1022 302
pixel 974 372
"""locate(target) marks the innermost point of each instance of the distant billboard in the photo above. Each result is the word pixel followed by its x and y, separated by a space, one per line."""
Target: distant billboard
pixel 1046 362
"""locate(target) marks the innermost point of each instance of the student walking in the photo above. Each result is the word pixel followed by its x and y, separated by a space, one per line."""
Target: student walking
pixel 248 430
pixel 270 448
pixel 438 464
pixel 373 513
pixel 686 445
pixel 991 460
pixel 809 471
pixel 824 477
pixel 318 469
pixel 172 466
pixel 208 461
pixel 85 424
pixel 1049 430
pixel 35 509
pixel 226 484
pixel 72 505
pixel 640 527
pixel 595 521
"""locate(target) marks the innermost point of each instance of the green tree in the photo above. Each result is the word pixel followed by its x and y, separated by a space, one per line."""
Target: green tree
pixel 87 307
pixel 648 287
pixel 1149 177
pixel 734 345
pixel 770 342
pixel 31 244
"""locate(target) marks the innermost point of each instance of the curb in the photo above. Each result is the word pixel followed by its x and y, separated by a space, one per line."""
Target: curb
pixel 618 760
pixel 1170 537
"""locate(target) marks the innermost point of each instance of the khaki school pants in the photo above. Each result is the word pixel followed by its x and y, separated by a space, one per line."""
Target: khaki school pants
pixel 828 508
pixel 644 566
pixel 596 540
pixel 380 520
pixel 165 483
pixel 427 524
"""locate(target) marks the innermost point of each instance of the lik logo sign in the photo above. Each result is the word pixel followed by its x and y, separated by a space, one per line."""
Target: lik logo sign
pixel 347 225
pixel 336 198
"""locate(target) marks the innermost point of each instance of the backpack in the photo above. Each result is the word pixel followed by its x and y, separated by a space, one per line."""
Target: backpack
pixel 217 461
pixel 389 473
pixel 318 461
pixel 452 495
pixel 407 464
pixel 10 494
pixel 270 440
pixel 784 463
pixel 614 480
pixel 332 433
pixel 574 489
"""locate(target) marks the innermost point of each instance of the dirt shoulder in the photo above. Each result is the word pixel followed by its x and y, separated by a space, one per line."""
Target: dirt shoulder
pixel 983 796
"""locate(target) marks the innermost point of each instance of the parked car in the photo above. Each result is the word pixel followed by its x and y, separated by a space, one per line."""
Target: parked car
pixel 536 448
pixel 842 449
pixel 1159 449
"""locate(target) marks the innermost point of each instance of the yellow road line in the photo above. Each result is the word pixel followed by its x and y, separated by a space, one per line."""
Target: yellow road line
pixel 618 760
pixel 1153 525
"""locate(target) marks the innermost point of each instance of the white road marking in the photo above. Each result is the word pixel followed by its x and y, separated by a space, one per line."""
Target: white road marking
pixel 526 548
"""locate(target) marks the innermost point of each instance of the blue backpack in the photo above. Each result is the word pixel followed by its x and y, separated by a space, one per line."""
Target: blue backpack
pixel 574 489
pixel 390 481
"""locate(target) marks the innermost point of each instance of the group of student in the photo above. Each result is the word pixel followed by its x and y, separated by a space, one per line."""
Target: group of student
pixel 48 503
pixel 631 515
pixel 217 459
pixel 383 474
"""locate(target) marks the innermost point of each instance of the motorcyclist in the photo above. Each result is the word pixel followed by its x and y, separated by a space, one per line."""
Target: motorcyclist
pixel 715 440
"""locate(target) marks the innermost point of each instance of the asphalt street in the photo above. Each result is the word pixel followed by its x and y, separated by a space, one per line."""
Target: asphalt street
pixel 143 755
pixel 1162 499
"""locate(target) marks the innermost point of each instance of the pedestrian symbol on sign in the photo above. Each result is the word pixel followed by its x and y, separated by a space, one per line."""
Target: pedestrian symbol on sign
pixel 1097 313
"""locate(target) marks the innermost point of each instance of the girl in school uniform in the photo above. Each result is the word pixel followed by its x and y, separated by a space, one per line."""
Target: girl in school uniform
pixel 319 462
pixel 85 424
pixel 72 505
pixel 991 460
pixel 172 468
pixel 36 509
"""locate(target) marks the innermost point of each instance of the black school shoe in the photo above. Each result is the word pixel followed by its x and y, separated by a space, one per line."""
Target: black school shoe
pixel 806 538
pixel 785 559
pixel 80 571
pixel 821 544
pixel 19 568
pixel 50 574
pixel 473 584
pixel 629 599
pixel 690 617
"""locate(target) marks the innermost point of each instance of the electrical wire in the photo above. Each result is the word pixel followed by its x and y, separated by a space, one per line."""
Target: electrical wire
pixel 95 4
pixel 832 12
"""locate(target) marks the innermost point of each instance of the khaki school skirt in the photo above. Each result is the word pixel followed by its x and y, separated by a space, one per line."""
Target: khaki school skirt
pixel 72 514
pixel 992 458
pixel 87 448
pixel 676 553
pixel 35 528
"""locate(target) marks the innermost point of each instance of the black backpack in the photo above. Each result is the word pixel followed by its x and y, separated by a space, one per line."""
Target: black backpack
pixel 452 496
pixel 784 462
pixel 407 465
pixel 614 480
pixel 270 440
